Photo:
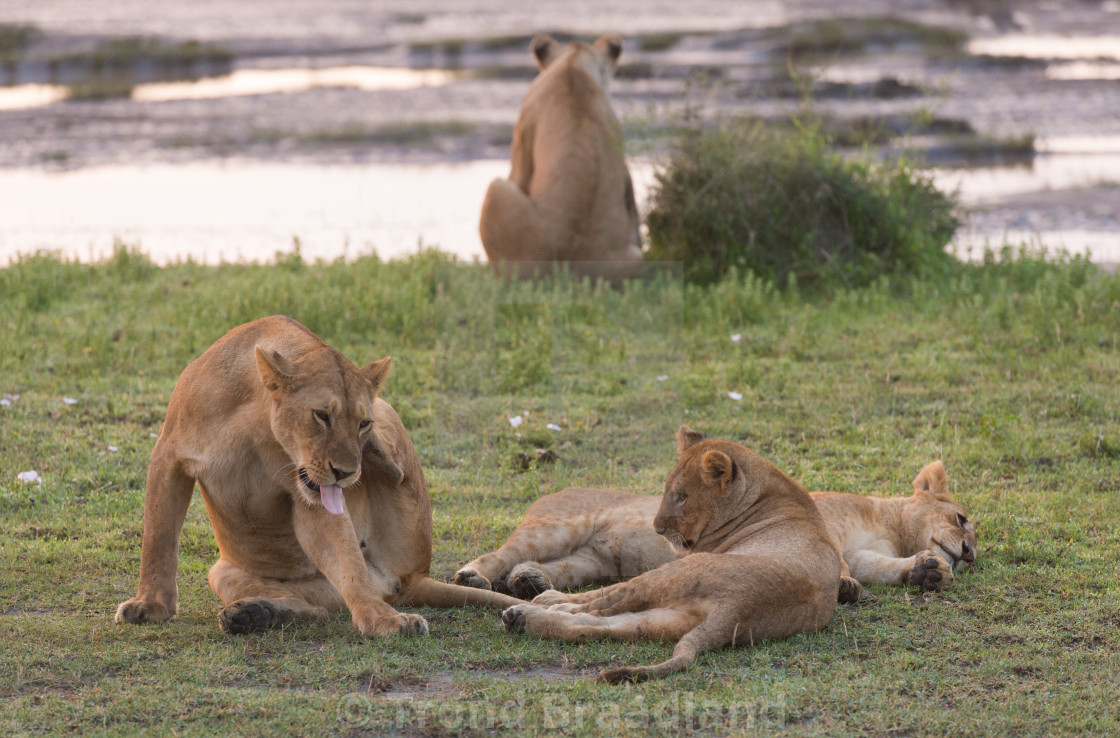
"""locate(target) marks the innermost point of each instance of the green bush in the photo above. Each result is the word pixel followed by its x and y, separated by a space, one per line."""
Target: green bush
pixel 785 205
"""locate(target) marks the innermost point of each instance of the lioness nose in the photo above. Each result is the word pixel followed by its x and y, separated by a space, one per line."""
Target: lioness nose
pixel 966 552
pixel 339 474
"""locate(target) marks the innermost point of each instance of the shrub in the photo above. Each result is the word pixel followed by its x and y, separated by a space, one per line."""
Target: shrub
pixel 784 205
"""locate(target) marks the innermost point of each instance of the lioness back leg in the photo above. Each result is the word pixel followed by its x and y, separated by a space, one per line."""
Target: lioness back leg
pixel 584 566
pixel 512 229
pixel 525 547
pixel 255 603
pixel 659 624
pixel 167 495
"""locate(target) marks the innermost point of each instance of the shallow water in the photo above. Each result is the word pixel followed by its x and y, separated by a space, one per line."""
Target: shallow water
pixel 244 211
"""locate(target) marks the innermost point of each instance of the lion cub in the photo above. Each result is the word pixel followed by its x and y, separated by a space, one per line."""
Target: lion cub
pixel 918 540
pixel 311 483
pixel 760 566
pixel 569 196
pixel 581 536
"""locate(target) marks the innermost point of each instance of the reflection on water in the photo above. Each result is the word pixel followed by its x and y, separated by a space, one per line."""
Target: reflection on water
pixel 1049 47
pixel 243 211
pixel 270 81
pixel 1083 70
pixel 1045 172
pixel 245 82
pixel 25 97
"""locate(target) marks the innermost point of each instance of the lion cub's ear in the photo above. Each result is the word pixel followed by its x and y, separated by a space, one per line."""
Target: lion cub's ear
pixel 687 438
pixel 611 45
pixel 716 466
pixel 933 481
pixel 545 49
pixel 275 370
pixel 377 372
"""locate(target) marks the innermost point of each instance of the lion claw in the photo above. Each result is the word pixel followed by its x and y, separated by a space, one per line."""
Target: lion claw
pixel 470 578
pixel 930 573
pixel 514 619
pixel 245 617
pixel 526 585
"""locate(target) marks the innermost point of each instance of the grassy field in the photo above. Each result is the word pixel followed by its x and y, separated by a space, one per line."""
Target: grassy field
pixel 1007 371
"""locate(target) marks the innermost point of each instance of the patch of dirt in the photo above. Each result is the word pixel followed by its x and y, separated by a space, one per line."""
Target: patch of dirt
pixel 442 684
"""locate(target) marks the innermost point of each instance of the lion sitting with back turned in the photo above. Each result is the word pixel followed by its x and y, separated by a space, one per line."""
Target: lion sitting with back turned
pixel 311 483
pixel 569 196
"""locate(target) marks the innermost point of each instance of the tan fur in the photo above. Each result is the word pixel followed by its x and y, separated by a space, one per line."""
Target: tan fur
pixel 581 536
pixel 760 566
pixel 574 537
pixel 919 540
pixel 266 409
pixel 569 196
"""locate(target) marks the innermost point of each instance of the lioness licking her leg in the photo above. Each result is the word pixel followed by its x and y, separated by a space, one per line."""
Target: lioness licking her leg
pixel 311 483
pixel 761 566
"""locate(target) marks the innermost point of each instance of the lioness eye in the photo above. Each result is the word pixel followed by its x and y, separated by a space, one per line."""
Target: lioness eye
pixel 961 520
pixel 364 424
pixel 323 417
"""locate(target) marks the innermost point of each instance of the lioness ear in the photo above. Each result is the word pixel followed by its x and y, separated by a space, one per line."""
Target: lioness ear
pixel 611 45
pixel 377 372
pixel 716 466
pixel 687 438
pixel 933 481
pixel 275 370
pixel 544 49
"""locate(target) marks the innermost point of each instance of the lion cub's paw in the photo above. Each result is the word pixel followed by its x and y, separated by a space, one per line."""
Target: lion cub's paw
pixel 850 590
pixel 402 623
pixel 246 616
pixel 137 612
pixel 930 572
pixel 471 578
pixel 514 618
pixel 528 583
pixel 549 598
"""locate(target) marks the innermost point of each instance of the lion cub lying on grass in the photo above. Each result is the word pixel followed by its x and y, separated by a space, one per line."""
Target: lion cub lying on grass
pixel 761 566
pixel 312 485
pixel 582 536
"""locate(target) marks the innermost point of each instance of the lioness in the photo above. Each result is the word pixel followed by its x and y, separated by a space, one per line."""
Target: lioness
pixel 581 536
pixel 761 566
pixel 569 196
pixel 311 483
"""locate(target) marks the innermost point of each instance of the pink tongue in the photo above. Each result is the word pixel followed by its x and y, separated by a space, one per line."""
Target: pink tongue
pixel 332 498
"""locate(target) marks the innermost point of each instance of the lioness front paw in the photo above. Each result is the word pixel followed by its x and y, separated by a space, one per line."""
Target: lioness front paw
pixel 930 572
pixel 137 612
pixel 246 616
pixel 471 578
pixel 528 583
pixel 403 623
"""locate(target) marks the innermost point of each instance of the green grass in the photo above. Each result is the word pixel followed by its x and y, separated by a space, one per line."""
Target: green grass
pixel 853 36
pixel 15 38
pixel 1006 371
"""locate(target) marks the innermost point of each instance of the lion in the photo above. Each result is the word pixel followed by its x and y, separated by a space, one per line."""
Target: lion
pixel 569 196
pixel 582 536
pixel 918 540
pixel 760 566
pixel 311 483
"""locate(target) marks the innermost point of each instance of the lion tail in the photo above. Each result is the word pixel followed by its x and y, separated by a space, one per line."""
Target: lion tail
pixel 428 592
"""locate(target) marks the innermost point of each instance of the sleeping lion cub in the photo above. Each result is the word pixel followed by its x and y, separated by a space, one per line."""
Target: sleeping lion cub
pixel 311 483
pixel 760 566
pixel 582 536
